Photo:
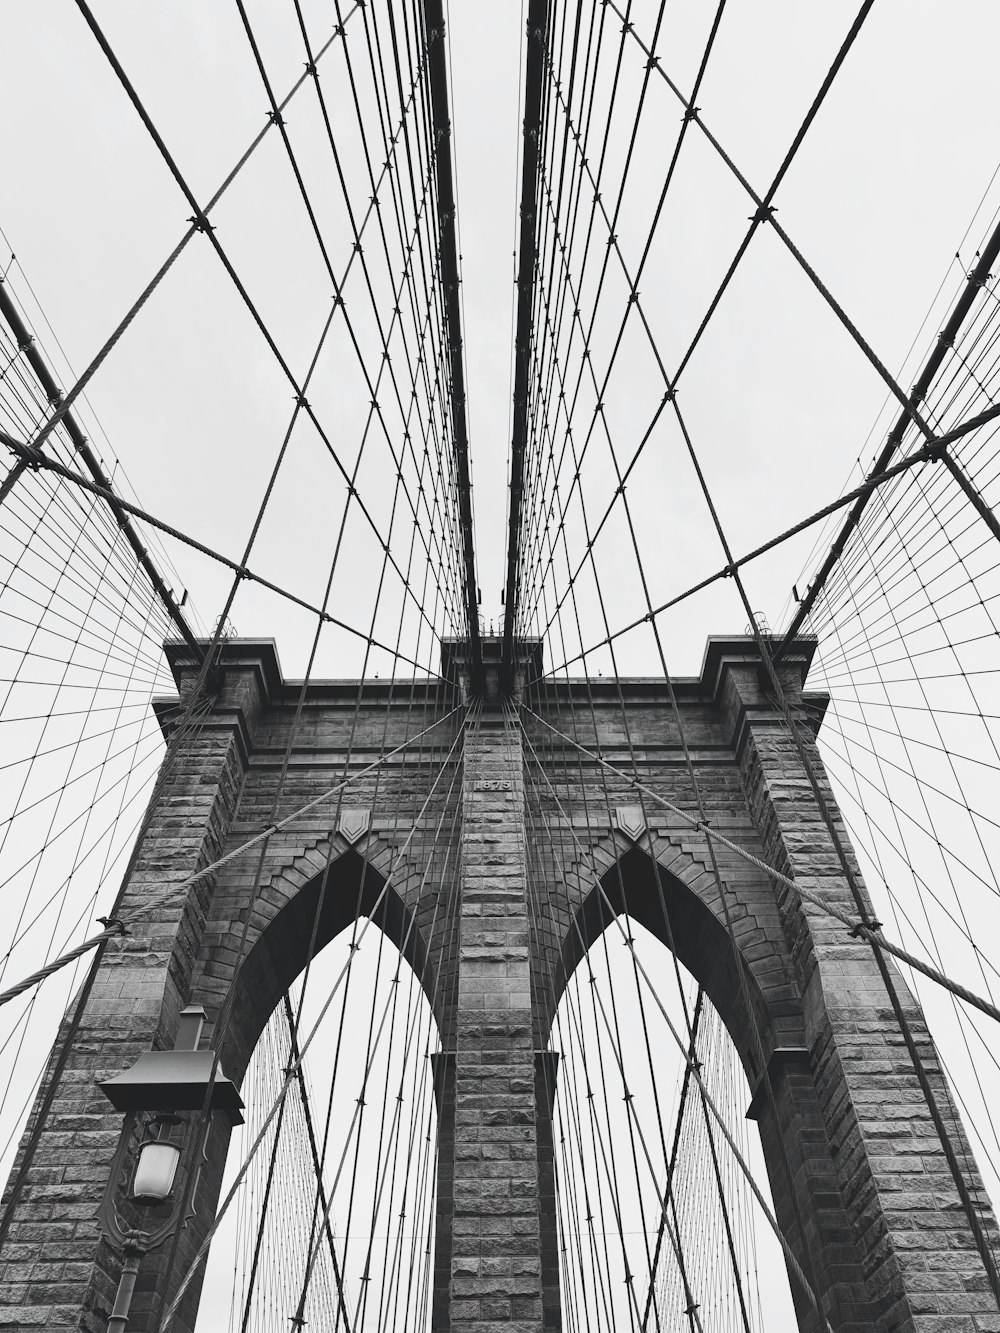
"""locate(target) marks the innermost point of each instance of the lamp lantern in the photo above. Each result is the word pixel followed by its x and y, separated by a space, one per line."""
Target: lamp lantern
pixel 151 1093
pixel 156 1168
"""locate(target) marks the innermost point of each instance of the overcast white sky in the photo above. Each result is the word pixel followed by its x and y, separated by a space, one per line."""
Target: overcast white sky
pixel 779 402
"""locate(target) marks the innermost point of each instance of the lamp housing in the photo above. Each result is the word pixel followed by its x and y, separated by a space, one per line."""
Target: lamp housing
pixel 155 1171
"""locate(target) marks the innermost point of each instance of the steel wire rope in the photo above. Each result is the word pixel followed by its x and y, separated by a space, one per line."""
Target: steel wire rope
pixel 117 468
pixel 728 570
pixel 426 175
pixel 899 851
pixel 300 1309
pixel 932 305
pixel 239 569
pixel 791 1259
pixel 720 886
pixel 934 950
pixel 595 184
pixel 982 1241
pixel 226 1006
pixel 169 895
pixel 296 1064
pixel 609 1166
pixel 46 536
pixel 671 1165
pixel 600 1262
pixel 62 896
pixel 851 558
pixel 366 220
pixel 188 725
pixel 527 303
pixel 942 747
pixel 633 281
pixel 198 222
pixel 33 453
pixel 569 1084
pixel 359 250
pixel 636 280
pixel 548 338
pixel 394 1266
pixel 664 913
pixel 583 787
pixel 938 538
pixel 58 794
pixel 862 930
pixel 195 1262
pixel 768 215
pixel 360 891
pixel 669 943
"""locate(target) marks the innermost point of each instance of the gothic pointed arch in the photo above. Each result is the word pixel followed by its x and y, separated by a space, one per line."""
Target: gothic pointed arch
pixel 669 888
pixel 316 892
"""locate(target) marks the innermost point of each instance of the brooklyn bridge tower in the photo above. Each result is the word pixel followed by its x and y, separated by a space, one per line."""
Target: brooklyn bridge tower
pixel 518 980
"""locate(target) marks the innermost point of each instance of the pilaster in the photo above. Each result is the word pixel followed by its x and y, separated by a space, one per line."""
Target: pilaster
pixel 497 1243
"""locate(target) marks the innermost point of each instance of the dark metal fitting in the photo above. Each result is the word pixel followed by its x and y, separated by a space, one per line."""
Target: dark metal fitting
pixel 872 925
pixel 201 223
pixel 653 62
pixel 113 922
pixel 763 214
pixel 691 113
pixel 301 400
pixel 311 67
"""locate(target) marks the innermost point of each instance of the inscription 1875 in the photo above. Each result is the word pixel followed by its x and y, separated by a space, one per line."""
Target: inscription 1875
pixel 492 784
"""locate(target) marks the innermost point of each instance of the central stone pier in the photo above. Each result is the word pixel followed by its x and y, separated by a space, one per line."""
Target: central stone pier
pixel 497 1204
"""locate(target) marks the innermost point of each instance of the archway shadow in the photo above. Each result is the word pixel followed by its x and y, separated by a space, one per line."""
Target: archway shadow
pixel 639 887
pixel 330 902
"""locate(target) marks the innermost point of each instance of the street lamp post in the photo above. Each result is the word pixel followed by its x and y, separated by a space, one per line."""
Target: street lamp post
pixel 152 1093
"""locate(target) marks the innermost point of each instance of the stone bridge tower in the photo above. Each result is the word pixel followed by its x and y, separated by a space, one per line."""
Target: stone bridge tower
pixel 859 1178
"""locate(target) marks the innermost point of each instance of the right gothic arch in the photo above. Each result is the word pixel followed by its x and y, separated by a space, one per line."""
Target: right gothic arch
pixel 801 1169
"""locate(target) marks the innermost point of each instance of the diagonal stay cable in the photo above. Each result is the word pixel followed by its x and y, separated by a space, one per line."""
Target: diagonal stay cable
pixel 203 225
pixel 767 215
pixel 119 927
pixel 37 459
pixel 197 225
pixel 858 928
pixel 358 250
pixel 296 1063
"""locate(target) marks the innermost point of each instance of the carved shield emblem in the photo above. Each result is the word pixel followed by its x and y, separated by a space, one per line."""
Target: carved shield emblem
pixel 354 824
pixel 628 818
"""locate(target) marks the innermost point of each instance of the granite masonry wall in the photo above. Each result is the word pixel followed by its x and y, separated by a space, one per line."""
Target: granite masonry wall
pixel 858 1177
